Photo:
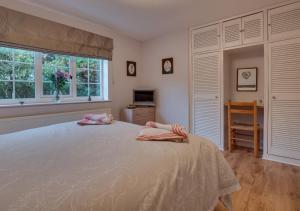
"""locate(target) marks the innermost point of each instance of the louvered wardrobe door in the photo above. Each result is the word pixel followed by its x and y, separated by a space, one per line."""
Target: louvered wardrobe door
pixel 232 33
pixel 206 100
pixel 284 22
pixel 206 39
pixel 253 28
pixel 285 99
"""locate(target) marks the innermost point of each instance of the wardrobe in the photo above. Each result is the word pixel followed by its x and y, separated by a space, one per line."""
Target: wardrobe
pixel 270 37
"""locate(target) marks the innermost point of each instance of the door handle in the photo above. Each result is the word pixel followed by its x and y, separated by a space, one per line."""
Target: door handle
pixel 274 98
pixel 216 97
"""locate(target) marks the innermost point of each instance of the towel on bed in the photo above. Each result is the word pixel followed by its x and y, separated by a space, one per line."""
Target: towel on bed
pixel 96 119
pixel 158 132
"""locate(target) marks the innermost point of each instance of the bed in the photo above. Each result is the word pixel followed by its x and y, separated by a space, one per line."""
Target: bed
pixel 70 167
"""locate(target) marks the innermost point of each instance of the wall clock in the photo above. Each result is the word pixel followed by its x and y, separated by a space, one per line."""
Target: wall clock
pixel 167 66
pixel 131 68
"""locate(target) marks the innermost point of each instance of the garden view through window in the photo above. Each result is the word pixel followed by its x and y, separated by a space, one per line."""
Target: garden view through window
pixel 26 75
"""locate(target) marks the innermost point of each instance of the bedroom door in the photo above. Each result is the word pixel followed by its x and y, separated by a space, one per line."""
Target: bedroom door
pixel 284 110
pixel 206 110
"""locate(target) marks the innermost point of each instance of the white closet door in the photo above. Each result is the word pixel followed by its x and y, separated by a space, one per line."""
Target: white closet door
pixel 206 96
pixel 284 110
pixel 232 33
pixel 284 22
pixel 206 39
pixel 253 28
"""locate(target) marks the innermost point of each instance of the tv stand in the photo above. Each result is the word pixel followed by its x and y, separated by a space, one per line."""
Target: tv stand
pixel 138 115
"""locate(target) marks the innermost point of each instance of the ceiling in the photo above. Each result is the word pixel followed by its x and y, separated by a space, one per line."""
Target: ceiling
pixel 146 19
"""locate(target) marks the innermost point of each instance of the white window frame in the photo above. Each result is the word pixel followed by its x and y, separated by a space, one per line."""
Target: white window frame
pixel 72 97
pixel 40 60
pixel 101 70
pixel 17 100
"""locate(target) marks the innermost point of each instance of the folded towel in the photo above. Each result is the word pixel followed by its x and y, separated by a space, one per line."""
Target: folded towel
pixel 158 132
pixel 175 128
pixel 96 119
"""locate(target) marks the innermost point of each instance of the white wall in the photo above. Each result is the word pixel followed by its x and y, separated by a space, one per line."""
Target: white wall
pixel 248 57
pixel 125 48
pixel 172 89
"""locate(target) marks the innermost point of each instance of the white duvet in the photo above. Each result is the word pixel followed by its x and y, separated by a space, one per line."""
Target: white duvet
pixel 103 168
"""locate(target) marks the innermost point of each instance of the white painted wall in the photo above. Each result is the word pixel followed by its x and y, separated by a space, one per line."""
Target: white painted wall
pixel 172 89
pixel 248 57
pixel 125 48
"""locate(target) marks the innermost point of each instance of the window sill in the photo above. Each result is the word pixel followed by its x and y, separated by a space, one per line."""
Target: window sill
pixel 53 103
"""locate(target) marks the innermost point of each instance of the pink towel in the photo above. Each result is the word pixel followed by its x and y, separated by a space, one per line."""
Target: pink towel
pixel 96 119
pixel 175 128
pixel 158 132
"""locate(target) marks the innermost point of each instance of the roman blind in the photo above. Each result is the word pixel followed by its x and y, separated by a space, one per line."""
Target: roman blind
pixel 21 30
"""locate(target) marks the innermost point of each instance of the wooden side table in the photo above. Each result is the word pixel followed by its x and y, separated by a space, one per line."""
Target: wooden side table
pixel 138 115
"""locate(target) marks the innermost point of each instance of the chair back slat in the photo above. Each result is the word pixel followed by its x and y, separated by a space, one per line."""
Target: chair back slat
pixel 242 104
pixel 241 111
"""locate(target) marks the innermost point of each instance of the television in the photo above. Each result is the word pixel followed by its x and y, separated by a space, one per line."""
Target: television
pixel 143 97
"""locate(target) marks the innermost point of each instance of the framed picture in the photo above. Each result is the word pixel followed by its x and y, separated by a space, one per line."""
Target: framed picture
pixel 247 79
pixel 131 68
pixel 167 66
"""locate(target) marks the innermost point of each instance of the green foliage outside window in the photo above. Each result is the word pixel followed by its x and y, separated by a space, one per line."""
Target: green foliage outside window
pixel 88 77
pixel 16 73
pixel 52 63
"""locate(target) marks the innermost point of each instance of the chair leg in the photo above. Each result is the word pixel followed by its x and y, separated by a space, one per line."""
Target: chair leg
pixel 232 140
pixel 234 131
pixel 256 143
pixel 229 140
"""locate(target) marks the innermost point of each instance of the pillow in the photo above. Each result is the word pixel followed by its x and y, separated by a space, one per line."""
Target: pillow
pixel 157 134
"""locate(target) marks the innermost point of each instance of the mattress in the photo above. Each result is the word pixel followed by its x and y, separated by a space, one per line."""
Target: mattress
pixel 78 168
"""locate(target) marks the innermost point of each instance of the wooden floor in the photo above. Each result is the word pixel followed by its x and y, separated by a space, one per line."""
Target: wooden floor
pixel 266 185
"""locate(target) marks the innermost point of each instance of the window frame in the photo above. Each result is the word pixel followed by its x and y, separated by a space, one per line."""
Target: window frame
pixel 40 60
pixel 15 100
pixel 40 98
pixel 101 81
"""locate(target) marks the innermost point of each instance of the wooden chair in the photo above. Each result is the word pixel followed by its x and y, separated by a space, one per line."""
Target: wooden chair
pixel 243 108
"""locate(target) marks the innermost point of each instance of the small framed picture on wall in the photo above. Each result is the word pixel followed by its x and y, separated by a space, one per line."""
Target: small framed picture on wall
pixel 131 68
pixel 167 66
pixel 247 79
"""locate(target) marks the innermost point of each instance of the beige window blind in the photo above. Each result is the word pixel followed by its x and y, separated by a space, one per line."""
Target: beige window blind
pixel 21 30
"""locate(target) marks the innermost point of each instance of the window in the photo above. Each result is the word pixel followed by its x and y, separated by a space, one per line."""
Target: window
pixel 17 75
pixel 26 76
pixel 52 63
pixel 88 76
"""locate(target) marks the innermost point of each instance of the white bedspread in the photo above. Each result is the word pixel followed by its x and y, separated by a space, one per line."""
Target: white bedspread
pixel 70 167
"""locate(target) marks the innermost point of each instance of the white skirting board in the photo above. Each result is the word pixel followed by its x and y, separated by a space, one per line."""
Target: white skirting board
pixel 282 159
pixel 9 125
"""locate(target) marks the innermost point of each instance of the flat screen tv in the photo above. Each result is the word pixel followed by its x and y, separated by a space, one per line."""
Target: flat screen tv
pixel 143 97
